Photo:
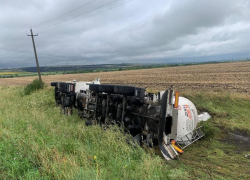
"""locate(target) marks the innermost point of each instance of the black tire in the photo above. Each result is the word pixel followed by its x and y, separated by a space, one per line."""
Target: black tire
pixel 125 90
pixel 53 83
pixel 88 123
pixel 94 87
pixel 62 87
pixel 108 88
pixel 137 139
pixel 150 140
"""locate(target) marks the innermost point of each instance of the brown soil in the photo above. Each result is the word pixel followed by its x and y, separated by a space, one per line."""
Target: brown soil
pixel 229 77
pixel 238 139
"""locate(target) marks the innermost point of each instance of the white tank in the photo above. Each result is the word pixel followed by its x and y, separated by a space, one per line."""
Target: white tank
pixel 187 119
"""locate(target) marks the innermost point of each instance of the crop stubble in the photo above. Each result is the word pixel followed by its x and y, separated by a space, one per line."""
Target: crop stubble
pixel 230 77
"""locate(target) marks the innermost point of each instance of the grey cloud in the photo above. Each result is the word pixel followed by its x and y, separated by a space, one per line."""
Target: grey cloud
pixel 139 31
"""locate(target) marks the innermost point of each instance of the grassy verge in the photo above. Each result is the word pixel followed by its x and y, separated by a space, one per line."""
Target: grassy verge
pixel 37 142
pixel 220 155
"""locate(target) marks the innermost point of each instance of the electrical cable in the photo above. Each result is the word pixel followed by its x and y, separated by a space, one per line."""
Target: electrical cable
pixel 18 45
pixel 87 16
pixel 77 16
pixel 12 42
pixel 64 13
pixel 20 37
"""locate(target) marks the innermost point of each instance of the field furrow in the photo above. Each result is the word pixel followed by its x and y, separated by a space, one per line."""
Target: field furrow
pixel 229 77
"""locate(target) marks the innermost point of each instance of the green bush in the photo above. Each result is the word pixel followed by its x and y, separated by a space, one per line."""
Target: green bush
pixel 33 86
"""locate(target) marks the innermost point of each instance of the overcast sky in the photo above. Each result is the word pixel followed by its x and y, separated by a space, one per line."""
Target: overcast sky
pixel 141 31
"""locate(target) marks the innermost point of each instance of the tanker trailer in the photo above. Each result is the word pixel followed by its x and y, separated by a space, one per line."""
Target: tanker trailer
pixel 162 119
pixel 152 119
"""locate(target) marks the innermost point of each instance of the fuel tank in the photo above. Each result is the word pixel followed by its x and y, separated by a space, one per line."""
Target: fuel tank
pixel 187 119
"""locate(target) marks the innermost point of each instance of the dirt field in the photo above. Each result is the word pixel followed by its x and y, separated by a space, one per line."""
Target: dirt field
pixel 230 77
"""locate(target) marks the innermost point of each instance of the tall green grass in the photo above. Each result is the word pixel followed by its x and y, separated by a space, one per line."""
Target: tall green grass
pixel 33 86
pixel 38 142
pixel 218 155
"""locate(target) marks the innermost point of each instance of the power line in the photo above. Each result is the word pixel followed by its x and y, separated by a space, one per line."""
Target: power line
pixel 64 13
pixel 12 42
pixel 77 15
pixel 14 47
pixel 20 37
pixel 25 40
pixel 88 16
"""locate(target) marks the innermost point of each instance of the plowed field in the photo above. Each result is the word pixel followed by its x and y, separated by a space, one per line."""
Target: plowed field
pixel 229 77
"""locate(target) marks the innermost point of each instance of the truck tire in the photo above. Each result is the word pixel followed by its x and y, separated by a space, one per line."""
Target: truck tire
pixel 107 88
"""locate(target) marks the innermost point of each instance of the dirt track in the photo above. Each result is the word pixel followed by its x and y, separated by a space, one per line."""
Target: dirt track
pixel 230 77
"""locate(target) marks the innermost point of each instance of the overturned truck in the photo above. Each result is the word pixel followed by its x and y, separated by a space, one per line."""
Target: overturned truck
pixel 162 119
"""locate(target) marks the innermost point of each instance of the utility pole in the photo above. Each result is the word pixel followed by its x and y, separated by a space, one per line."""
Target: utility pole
pixel 37 64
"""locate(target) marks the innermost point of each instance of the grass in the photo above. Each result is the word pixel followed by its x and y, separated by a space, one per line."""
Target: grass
pixel 219 156
pixel 38 142
pixel 10 73
pixel 25 74
pixel 33 86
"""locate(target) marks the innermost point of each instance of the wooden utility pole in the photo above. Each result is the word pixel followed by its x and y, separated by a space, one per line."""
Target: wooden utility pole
pixel 37 64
